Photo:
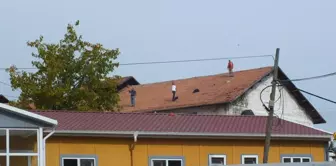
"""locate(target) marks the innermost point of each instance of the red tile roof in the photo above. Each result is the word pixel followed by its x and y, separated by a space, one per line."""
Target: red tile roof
pixel 213 89
pixel 179 123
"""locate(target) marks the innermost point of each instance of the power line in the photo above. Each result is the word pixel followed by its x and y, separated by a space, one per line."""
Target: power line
pixel 175 61
pixel 320 97
pixel 194 60
pixel 310 78
pixel 11 96
pixel 4 83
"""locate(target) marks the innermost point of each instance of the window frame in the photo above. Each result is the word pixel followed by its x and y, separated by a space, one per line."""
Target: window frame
pixel 78 158
pixel 292 157
pixel 216 156
pixel 243 156
pixel 166 158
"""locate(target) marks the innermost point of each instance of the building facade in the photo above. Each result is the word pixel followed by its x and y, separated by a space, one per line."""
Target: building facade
pixel 62 151
pixel 66 138
pixel 147 139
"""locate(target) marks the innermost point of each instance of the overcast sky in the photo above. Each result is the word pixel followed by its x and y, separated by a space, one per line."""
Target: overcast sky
pixel 157 30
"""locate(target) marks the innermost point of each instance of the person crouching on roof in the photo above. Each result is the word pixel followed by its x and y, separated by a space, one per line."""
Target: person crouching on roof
pixel 133 94
pixel 173 90
pixel 230 68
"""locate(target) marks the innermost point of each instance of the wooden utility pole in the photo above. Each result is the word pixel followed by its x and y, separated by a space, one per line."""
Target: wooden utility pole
pixel 271 107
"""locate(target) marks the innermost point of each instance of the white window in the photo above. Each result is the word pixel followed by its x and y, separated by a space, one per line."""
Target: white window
pixel 296 159
pixel 166 162
pixel 249 159
pixel 75 161
pixel 217 160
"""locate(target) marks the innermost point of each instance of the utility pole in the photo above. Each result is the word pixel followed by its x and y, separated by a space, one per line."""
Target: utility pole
pixel 271 107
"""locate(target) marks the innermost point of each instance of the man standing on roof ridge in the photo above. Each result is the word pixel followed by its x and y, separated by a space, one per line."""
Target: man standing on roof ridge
pixel 133 94
pixel 173 90
pixel 230 68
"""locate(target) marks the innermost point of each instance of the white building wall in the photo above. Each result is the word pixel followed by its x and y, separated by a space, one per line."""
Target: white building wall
pixel 291 110
pixel 287 107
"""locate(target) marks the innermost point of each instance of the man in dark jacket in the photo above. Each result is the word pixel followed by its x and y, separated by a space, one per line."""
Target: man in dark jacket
pixel 133 94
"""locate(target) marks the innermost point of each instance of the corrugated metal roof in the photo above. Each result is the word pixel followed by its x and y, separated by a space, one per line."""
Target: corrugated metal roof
pixel 179 123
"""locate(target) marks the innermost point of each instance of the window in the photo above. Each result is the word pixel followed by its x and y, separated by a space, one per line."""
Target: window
pixel 249 159
pixel 296 159
pixel 13 153
pixel 166 162
pixel 79 161
pixel 215 160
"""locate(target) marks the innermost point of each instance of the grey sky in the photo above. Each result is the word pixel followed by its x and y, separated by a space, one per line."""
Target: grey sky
pixel 154 30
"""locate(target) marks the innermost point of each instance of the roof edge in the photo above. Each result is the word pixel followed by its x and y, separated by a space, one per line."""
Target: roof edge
pixel 325 137
pixel 309 109
pixel 29 114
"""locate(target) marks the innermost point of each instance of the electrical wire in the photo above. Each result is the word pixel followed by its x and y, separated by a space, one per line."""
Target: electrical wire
pixel 10 96
pixel 310 78
pixel 194 60
pixel 4 83
pixel 280 118
pixel 320 97
pixel 175 61
pixel 282 100
pixel 263 101
pixel 279 123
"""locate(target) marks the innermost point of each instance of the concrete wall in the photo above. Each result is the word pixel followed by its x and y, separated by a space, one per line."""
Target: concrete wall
pixel 292 111
pixel 113 151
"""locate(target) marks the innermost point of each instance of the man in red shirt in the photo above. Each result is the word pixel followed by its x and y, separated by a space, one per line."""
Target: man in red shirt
pixel 230 68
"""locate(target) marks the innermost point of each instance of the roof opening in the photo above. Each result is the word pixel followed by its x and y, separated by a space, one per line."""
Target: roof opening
pixel 196 90
pixel 247 112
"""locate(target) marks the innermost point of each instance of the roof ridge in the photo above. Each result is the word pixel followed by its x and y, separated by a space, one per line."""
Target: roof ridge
pixel 160 82
pixel 146 113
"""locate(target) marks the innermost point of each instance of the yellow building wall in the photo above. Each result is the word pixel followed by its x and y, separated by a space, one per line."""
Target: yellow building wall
pixel 117 151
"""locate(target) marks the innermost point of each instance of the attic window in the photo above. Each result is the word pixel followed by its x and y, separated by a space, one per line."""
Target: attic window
pixel 196 90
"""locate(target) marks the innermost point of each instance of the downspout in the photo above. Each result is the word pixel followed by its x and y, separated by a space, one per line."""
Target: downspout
pixel 44 145
pixel 132 146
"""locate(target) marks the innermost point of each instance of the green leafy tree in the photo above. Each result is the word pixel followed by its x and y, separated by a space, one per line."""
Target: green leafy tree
pixel 70 75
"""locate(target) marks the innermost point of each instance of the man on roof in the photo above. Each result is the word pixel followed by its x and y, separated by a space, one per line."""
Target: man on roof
pixel 230 68
pixel 173 90
pixel 133 95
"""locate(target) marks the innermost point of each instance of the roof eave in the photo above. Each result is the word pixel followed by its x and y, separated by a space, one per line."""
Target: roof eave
pixel 301 99
pixel 28 114
pixel 185 135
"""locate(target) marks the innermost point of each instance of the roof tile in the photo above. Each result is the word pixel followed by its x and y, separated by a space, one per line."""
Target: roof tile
pixel 213 89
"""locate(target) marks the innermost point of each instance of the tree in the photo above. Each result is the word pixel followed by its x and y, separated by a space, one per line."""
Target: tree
pixel 71 75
